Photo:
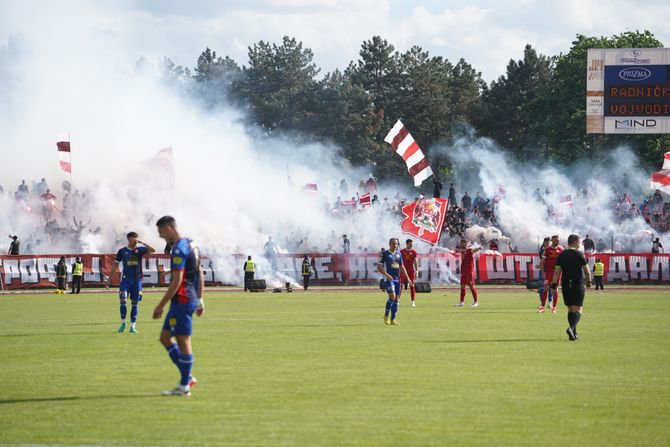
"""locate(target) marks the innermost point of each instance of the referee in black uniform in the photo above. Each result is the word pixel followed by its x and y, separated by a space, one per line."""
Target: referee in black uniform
pixel 573 265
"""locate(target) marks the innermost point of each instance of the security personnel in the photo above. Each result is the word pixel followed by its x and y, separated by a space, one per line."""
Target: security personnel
pixel 306 271
pixel 77 274
pixel 249 271
pixel 61 275
pixel 598 273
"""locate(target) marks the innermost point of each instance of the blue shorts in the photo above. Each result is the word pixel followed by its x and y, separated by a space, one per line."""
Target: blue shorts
pixel 393 286
pixel 179 319
pixel 131 288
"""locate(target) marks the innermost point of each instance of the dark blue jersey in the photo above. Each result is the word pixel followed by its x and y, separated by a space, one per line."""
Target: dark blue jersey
pixel 186 258
pixel 131 260
pixel 391 262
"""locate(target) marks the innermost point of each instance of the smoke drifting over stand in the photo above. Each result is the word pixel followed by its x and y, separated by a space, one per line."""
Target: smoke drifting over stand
pixel 594 188
pixel 77 71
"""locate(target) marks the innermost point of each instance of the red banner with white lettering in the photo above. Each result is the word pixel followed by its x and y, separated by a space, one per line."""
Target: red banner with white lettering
pixel 25 272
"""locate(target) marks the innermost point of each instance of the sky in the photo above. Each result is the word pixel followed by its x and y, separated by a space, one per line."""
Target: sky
pixel 486 33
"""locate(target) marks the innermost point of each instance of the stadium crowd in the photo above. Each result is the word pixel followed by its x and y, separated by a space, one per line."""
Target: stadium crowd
pixel 60 224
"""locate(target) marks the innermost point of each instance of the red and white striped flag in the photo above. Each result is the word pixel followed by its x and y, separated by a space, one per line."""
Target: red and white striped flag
pixel 365 199
pixel 63 145
pixel 566 201
pixel 500 193
pixel 404 145
pixel 661 180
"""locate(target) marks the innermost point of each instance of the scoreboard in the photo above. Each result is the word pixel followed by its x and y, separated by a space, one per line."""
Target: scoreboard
pixel 628 91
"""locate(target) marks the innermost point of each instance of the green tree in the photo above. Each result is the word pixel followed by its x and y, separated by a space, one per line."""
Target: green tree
pixel 214 78
pixel 505 114
pixel 278 86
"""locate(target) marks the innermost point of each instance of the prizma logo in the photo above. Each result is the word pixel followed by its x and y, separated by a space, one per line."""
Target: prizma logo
pixel 634 74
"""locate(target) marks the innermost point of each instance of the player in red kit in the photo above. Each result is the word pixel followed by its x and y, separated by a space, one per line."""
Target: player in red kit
pixel 547 265
pixel 412 266
pixel 467 271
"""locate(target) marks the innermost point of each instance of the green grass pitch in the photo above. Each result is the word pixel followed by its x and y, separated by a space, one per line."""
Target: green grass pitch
pixel 321 368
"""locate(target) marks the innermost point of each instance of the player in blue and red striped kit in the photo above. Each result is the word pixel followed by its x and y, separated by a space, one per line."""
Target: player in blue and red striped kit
pixel 130 259
pixel 185 296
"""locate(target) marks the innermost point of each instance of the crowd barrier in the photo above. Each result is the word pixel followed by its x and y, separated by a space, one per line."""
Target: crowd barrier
pixel 38 271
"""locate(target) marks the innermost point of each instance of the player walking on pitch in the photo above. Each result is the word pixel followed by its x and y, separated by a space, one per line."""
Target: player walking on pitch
pixel 411 265
pixel 572 265
pixel 467 272
pixel 547 264
pixel 131 277
pixel 185 296
pixel 390 266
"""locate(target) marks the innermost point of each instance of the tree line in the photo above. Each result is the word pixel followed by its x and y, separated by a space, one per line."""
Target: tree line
pixel 535 111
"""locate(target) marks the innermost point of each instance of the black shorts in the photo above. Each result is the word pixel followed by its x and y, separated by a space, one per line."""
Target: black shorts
pixel 573 297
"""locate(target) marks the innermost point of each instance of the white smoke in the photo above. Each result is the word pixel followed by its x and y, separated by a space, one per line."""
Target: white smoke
pixel 592 185
pixel 75 71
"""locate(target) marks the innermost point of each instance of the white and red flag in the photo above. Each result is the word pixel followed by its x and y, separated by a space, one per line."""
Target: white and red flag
pixel 404 145
pixel 661 180
pixel 365 199
pixel 425 218
pixel 566 201
pixel 63 145
pixel 500 193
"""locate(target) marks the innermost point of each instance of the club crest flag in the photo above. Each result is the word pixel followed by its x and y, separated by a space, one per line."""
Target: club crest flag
pixel 425 218
pixel 404 145
pixel 63 146
pixel 661 180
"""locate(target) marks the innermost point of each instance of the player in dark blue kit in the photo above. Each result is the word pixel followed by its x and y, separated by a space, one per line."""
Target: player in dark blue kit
pixel 130 258
pixel 185 297
pixel 390 266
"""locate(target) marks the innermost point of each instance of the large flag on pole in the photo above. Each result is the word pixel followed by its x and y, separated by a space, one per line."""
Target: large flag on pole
pixel 661 180
pixel 404 145
pixel 63 145
pixel 425 218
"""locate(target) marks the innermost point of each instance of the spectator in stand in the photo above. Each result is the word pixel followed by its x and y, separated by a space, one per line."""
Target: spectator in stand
pixel 437 188
pixel 271 252
pixel 600 246
pixel 452 194
pixel 371 185
pixel 375 200
pixel 22 191
pixel 475 203
pixel 344 188
pixel 656 246
pixel 588 244
pixel 493 245
pixel 537 195
pixel 14 246
pixel 466 202
pixel 346 244
pixel 48 203
pixel 42 187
